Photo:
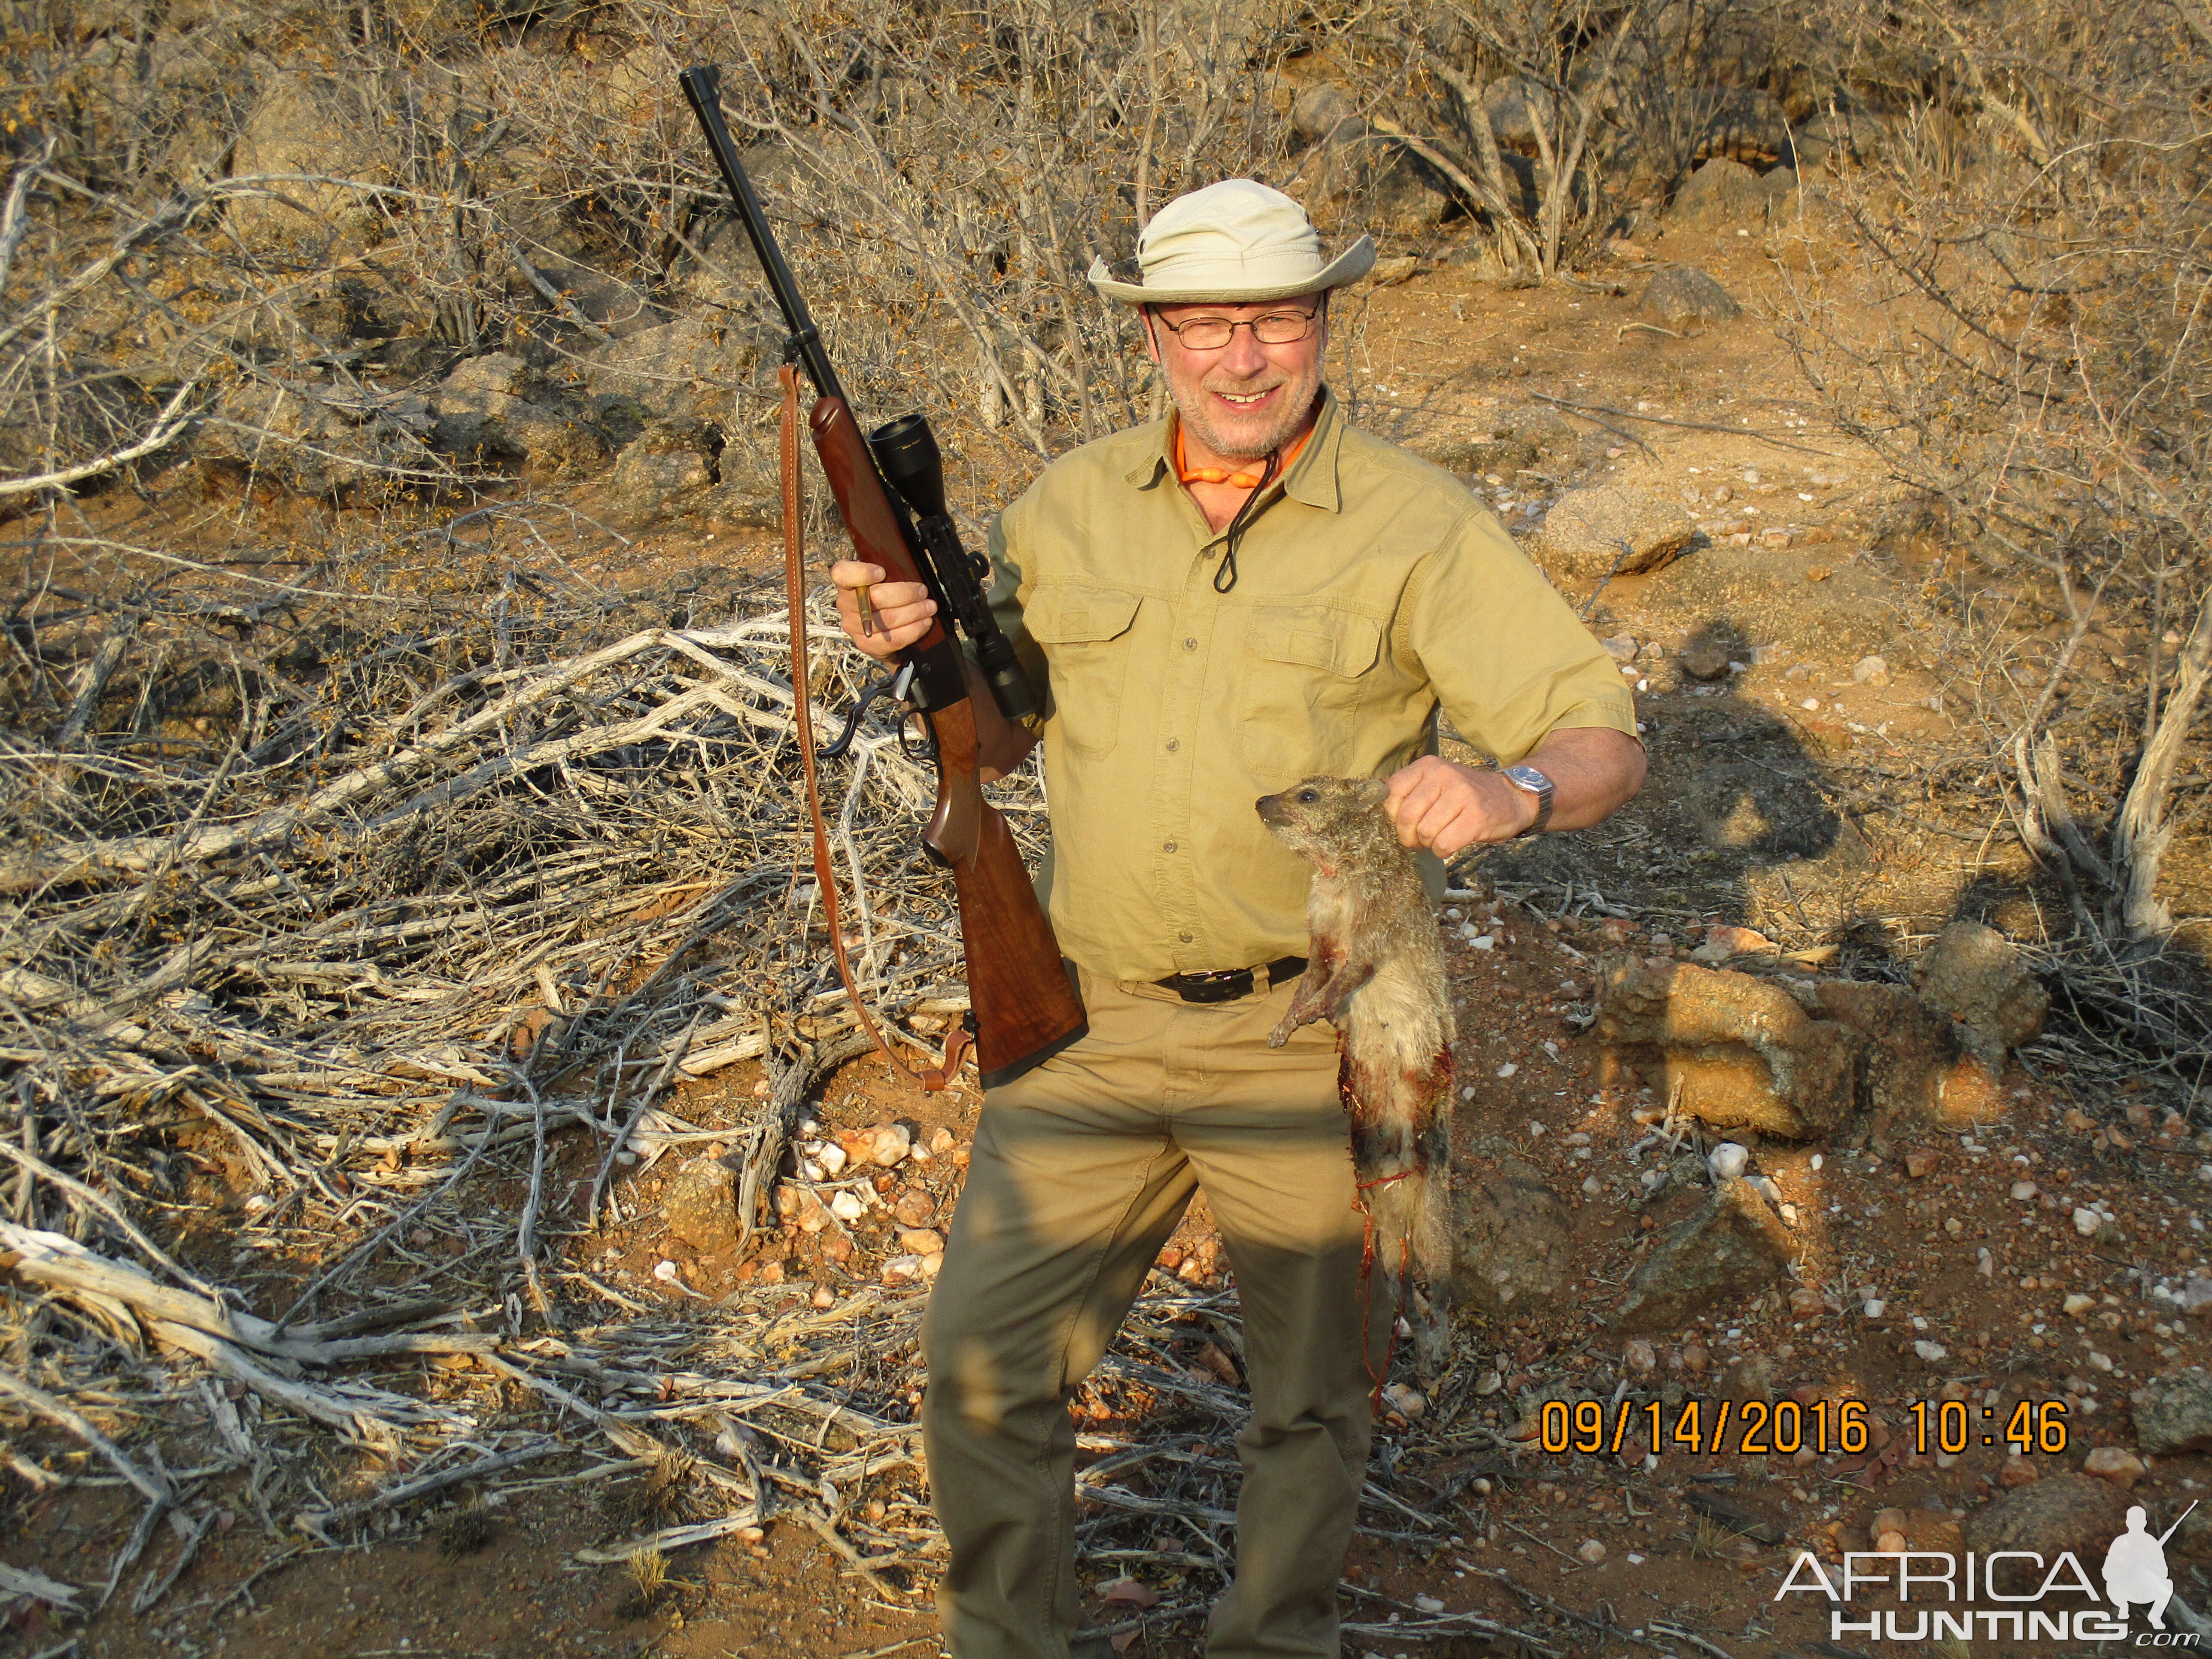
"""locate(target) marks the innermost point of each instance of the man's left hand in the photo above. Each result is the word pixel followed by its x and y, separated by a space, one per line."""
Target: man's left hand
pixel 1448 808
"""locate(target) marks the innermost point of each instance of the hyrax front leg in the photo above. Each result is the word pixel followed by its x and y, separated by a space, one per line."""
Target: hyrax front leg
pixel 1326 986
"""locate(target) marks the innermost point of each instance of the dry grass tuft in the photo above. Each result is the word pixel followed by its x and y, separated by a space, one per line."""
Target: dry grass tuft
pixel 648 1577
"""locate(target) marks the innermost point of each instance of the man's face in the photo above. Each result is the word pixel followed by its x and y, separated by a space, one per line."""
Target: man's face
pixel 1244 400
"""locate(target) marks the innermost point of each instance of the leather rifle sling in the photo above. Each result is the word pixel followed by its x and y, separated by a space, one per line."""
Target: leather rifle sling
pixel 794 579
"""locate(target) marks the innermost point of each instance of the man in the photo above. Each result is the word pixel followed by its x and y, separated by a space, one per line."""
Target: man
pixel 1222 603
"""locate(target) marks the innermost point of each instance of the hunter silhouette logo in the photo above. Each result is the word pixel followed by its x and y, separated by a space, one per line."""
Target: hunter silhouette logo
pixel 2134 1571
pixel 2135 1566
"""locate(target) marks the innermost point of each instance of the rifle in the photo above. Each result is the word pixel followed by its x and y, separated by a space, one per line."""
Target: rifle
pixel 1023 1005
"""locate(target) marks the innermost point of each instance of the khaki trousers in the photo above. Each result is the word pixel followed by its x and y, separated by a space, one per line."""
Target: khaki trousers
pixel 1079 1174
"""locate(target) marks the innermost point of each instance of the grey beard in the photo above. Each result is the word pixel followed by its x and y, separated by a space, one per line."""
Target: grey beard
pixel 1217 441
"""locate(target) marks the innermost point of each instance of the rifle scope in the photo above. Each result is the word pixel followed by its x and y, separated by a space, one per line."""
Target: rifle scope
pixel 907 455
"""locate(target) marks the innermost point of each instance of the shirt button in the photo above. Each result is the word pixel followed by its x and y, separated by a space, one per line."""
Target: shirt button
pixel 1190 645
pixel 1185 938
pixel 1167 847
pixel 1174 744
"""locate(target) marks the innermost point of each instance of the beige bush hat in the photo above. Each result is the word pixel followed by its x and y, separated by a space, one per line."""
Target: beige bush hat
pixel 1232 243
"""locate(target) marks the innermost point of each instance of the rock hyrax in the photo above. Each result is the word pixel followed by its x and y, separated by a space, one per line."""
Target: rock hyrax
pixel 1375 970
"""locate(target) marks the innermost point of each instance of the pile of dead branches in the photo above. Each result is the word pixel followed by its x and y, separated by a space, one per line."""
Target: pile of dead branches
pixel 301 982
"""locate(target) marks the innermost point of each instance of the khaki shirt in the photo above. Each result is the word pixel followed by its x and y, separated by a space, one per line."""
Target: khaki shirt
pixel 1371 587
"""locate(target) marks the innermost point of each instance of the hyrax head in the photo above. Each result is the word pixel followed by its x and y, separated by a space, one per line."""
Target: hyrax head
pixel 1329 820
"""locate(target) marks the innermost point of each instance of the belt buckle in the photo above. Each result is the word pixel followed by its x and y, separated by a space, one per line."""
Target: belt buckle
pixel 1221 985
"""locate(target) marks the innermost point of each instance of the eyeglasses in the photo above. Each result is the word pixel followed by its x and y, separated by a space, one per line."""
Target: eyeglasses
pixel 1212 333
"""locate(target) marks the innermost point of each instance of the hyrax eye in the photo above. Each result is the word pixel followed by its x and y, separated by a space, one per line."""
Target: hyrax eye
pixel 1308 796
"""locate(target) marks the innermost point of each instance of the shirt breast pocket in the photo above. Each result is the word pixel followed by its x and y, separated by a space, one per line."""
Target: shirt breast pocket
pixel 1085 636
pixel 1307 669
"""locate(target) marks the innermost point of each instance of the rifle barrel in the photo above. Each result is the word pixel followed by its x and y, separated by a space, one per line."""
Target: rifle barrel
pixel 2178 1520
pixel 702 86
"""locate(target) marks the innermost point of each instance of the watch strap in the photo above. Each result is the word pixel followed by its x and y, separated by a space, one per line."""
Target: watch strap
pixel 1532 782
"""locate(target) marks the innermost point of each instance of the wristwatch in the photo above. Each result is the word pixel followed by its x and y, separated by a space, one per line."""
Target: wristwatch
pixel 1536 783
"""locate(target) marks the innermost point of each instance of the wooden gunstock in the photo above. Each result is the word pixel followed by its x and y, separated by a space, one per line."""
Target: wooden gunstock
pixel 1026 1009
pixel 1024 1006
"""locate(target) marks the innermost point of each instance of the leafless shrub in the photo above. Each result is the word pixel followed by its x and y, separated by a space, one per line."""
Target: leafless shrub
pixel 2033 246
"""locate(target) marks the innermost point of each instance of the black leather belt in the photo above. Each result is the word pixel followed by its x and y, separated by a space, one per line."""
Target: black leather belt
pixel 1227 984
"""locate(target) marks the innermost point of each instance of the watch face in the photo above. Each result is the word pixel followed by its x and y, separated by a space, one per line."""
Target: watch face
pixel 1529 778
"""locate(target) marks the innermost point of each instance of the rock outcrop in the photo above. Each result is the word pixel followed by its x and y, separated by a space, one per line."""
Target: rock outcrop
pixel 2174 1413
pixel 1973 974
pixel 1684 298
pixel 1611 529
pixel 1730 1050
pixel 1732 1246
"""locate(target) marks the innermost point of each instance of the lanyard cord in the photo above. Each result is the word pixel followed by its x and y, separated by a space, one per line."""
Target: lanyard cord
pixel 1224 575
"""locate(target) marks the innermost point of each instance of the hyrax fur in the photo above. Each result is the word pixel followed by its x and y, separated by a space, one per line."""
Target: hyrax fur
pixel 1375 970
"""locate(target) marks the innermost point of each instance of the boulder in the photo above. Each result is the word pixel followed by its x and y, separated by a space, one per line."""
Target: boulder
pixel 699 1208
pixel 1973 974
pixel 1512 1248
pixel 1731 1246
pixel 2174 1413
pixel 667 470
pixel 1918 1075
pixel 492 410
pixel 1829 136
pixel 555 443
pixel 292 130
pixel 489 382
pixel 1514 106
pixel 320 440
pixel 1723 194
pixel 1353 176
pixel 1323 113
pixel 1686 299
pixel 1372 182
pixel 2049 1518
pixel 686 367
pixel 1732 1050
pixel 1614 530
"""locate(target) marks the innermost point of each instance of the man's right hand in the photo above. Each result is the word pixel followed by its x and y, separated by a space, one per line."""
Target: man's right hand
pixel 902 611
